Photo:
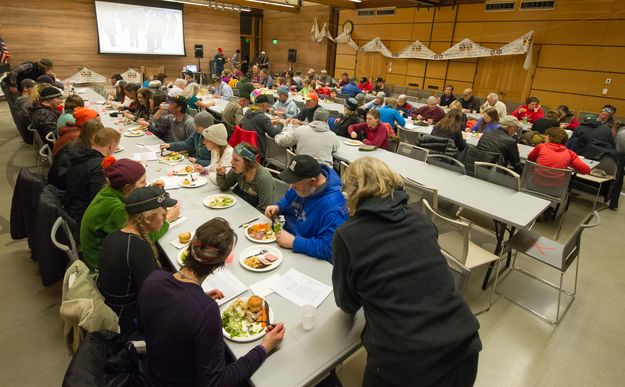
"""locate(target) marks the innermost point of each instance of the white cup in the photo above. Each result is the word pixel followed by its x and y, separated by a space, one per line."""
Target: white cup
pixel 308 317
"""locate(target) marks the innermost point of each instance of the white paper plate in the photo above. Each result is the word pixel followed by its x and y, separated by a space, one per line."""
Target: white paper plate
pixel 352 142
pixel 248 236
pixel 208 199
pixel 198 182
pixel 137 133
pixel 247 338
pixel 165 160
pixel 179 170
pixel 253 250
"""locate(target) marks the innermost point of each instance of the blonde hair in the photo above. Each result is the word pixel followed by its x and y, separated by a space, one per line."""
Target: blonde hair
pixel 368 177
pixel 34 94
pixel 191 90
pixel 455 104
pixel 140 221
pixel 106 136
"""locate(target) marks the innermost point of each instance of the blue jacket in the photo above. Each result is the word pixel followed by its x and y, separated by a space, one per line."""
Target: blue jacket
pixel 194 144
pixel 390 116
pixel 313 220
pixel 351 89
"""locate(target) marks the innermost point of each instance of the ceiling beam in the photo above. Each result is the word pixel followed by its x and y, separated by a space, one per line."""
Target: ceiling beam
pixel 248 4
pixel 336 3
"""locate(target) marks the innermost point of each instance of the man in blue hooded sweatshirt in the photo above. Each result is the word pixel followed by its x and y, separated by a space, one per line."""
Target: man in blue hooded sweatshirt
pixel 313 208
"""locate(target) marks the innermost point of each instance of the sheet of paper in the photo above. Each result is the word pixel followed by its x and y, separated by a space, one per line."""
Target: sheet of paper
pixel 150 156
pixel 177 222
pixel 263 288
pixel 153 148
pixel 300 289
pixel 225 281
pixel 171 182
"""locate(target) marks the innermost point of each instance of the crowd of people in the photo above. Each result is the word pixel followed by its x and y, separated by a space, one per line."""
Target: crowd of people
pixel 121 217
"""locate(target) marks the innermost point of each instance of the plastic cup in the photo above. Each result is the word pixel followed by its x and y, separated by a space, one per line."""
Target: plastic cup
pixel 308 317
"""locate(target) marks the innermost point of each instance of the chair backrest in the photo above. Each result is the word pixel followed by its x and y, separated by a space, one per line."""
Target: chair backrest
pixel 192 112
pixel 71 251
pixel 471 154
pixel 444 161
pixel 399 90
pixel 417 192
pixel 459 272
pixel 498 174
pixel 413 92
pixel 572 245
pixel 281 186
pixel 51 137
pixel 425 94
pixel 46 154
pixel 275 154
pixel 550 183
pixel 458 245
pixel 343 167
pixel 289 156
pixel 241 135
pixel 412 151
pixel 407 136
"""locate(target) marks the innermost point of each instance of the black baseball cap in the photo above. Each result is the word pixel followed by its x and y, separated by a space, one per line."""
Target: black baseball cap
pixel 301 167
pixel 148 198
pixel 351 104
pixel 380 79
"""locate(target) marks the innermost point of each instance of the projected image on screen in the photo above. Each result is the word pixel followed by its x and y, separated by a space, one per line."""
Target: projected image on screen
pixel 135 29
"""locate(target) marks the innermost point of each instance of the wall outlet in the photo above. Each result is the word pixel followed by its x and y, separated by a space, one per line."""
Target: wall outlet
pixel 604 91
pixel 608 81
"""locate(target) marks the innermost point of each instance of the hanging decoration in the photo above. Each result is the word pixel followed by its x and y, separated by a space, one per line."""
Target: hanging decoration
pixel 84 75
pixel 132 76
pixel 416 50
pixel 376 45
pixel 315 34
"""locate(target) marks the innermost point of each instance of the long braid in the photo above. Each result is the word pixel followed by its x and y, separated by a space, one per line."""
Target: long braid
pixel 139 221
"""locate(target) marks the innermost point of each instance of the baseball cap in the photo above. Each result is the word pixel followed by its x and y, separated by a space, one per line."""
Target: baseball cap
pixel 301 167
pixel 321 115
pixel 351 104
pixel 312 96
pixel 380 79
pixel 263 98
pixel 508 121
pixel 148 198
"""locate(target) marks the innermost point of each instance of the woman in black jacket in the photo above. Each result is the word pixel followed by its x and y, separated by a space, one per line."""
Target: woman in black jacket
pixel 419 331
pixel 451 126
pixel 349 117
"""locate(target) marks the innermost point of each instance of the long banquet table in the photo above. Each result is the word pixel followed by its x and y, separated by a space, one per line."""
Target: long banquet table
pixel 304 357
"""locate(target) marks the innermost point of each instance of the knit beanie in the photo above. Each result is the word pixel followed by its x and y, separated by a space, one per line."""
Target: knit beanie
pixel 203 119
pixel 122 172
pixel 49 92
pixel 45 79
pixel 321 115
pixel 283 90
pixel 216 133
pixel 82 115
pixel 46 62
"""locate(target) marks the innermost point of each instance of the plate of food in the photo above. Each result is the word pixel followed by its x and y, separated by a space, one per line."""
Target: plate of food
pixel 219 201
pixel 172 157
pixel 181 170
pixel 260 233
pixel 352 142
pixel 119 148
pixel 198 181
pixel 245 319
pixel 182 256
pixel 139 127
pixel 134 133
pixel 260 258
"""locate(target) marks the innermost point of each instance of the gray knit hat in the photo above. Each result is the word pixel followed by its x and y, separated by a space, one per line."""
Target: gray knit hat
pixel 321 115
pixel 216 133
pixel 203 119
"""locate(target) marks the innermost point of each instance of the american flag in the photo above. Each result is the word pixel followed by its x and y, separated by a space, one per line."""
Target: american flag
pixel 4 52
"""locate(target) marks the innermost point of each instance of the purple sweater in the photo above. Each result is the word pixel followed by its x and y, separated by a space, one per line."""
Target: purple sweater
pixel 185 346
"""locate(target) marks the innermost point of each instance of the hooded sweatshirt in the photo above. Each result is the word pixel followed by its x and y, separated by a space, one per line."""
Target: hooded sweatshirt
pixel 589 132
pixel 314 219
pixel 556 155
pixel 66 135
pixel 289 107
pixel 84 179
pixel 387 260
pixel 258 121
pixel 315 139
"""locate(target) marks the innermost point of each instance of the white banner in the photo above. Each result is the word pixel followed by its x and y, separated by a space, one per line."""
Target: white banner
pixel 376 45
pixel 84 75
pixel 466 48
pixel 315 34
pixel 346 38
pixel 132 76
pixel 416 50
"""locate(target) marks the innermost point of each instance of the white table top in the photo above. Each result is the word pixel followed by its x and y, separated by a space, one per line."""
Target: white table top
pixel 304 356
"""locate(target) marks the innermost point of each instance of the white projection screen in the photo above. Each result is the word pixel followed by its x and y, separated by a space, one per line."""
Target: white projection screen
pixel 139 29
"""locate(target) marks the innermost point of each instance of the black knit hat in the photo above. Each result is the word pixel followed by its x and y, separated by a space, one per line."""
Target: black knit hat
pixel 49 92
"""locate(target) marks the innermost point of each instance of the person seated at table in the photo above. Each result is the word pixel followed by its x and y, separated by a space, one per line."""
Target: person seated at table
pixel 344 80
pixel 351 89
pixel 178 124
pixel 469 102
pixel 188 77
pixel 550 120
pixel 456 105
pixel 266 80
pixel 376 132
pixel 567 118
pixel 130 101
pixel 431 113
pixel 255 75
pixel 194 144
pixel 531 110
pixel 325 79
pixel 591 131
pixel 257 120
pixel 365 85
pixel 552 153
pixel 67 118
pixel 492 101
pixel 502 140
pixel 308 112
pixel 315 139
pixel 233 113
pixel 43 113
pixel 254 183
pixel 106 212
pixel 68 133
pixel 606 115
pixel 142 107
pixel 182 323
pixel 220 89
pixel 245 86
pixel 215 141
pixel 128 255
pixel 313 207
pixel 285 106
pixel 334 96
pixel 120 94
pixel 419 330
pixel 451 127
pixel 403 107
pixel 390 115
pixel 114 79
pixel 619 138
pixel 85 176
pixel 380 87
pixel 158 119
pixel 377 103
pixel 488 121
pixel 176 87
pixel 349 117
pixel 448 96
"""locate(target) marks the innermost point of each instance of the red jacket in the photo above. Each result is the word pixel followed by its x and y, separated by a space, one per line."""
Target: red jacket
pixel 66 135
pixel 557 156
pixel 573 124
pixel 365 87
pixel 531 115
pixel 377 136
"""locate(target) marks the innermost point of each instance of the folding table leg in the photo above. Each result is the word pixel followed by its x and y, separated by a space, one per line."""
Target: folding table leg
pixel 500 233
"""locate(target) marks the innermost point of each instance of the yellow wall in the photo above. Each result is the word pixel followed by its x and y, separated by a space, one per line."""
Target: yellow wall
pixel 577 46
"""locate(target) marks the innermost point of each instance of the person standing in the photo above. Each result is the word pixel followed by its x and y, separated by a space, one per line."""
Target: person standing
pixel 219 60
pixel 236 60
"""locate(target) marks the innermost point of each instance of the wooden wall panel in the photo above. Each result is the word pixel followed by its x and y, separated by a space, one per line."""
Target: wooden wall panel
pixel 280 25
pixel 586 82
pixel 436 69
pixel 346 61
pixel 442 32
pixel 411 81
pixel 35 29
pixel 461 71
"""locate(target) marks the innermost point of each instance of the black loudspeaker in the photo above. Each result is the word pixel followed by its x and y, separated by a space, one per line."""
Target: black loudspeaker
pixel 199 51
pixel 292 55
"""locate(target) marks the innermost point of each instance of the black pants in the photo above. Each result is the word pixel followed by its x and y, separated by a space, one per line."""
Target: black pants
pixel 463 375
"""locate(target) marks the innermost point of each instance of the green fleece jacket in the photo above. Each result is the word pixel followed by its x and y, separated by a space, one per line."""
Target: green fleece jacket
pixel 105 214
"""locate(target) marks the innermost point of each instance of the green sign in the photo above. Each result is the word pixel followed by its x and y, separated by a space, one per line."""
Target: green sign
pixel 275 41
